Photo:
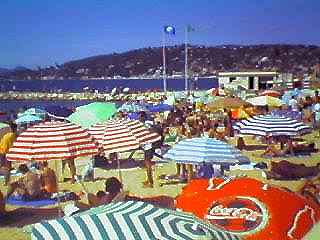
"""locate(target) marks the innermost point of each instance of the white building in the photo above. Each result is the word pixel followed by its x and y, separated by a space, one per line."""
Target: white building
pixel 256 80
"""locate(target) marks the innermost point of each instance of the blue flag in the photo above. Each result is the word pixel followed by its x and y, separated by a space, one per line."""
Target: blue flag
pixel 170 30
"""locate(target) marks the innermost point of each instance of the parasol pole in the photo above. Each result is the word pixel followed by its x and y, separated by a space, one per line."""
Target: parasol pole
pixel 186 60
pixel 119 169
pixel 58 194
pixel 164 62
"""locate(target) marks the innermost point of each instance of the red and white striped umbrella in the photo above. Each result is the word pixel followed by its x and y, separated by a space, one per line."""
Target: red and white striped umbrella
pixel 271 93
pixel 122 135
pixel 52 141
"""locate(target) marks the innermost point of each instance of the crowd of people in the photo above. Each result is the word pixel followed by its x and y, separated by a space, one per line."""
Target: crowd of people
pixel 185 120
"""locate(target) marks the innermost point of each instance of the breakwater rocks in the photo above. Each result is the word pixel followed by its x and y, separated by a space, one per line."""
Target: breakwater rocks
pixel 13 95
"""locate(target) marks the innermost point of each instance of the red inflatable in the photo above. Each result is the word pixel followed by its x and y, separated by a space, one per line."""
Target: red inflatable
pixel 250 208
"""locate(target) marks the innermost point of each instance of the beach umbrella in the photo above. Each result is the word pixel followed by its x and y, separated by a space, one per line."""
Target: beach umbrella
pixel 97 107
pixel 249 208
pixel 52 141
pixel 162 107
pixel 93 113
pixel 129 220
pixel 24 119
pixel 271 93
pixel 123 135
pixel 170 100
pixel 126 90
pixel 287 114
pixel 291 93
pixel 35 112
pixel 269 125
pixel 132 107
pixel 228 103
pixel 180 95
pixel 117 136
pixel 265 101
pixel 209 150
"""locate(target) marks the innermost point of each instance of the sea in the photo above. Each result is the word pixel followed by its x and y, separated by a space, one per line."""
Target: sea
pixel 173 84
pixel 74 85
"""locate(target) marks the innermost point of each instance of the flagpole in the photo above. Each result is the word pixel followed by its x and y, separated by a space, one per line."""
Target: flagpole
pixel 164 61
pixel 186 60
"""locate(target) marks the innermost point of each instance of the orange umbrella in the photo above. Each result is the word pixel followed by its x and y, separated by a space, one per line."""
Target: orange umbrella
pixel 250 208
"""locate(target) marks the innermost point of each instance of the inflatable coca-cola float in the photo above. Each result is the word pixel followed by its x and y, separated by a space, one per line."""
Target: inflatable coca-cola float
pixel 250 208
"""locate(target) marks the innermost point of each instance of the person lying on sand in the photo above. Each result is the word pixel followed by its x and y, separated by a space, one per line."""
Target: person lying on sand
pixel 114 193
pixel 272 151
pixel 28 187
pixel 285 170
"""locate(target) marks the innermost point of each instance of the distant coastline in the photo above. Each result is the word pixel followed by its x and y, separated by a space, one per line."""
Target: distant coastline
pixel 202 61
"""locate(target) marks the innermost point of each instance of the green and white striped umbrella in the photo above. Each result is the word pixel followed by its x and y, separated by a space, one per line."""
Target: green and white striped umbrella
pixel 129 220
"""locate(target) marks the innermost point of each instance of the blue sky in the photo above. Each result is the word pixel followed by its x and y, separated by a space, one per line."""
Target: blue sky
pixel 42 32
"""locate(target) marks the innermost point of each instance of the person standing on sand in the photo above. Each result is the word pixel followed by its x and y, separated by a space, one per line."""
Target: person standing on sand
pixel 72 167
pixel 149 151
pixel 5 144
pixel 48 178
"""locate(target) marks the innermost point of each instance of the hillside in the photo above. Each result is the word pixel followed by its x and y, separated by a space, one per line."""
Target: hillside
pixel 203 61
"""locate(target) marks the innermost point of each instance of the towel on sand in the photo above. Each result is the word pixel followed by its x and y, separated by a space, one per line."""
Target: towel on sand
pixel 34 203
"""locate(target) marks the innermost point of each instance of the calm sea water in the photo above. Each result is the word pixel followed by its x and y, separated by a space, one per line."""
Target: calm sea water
pixel 103 85
pixel 14 106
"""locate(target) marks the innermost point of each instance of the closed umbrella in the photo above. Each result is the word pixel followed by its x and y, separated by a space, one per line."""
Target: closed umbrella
pixel 269 125
pixel 93 113
pixel 249 208
pixel 129 220
pixel 209 150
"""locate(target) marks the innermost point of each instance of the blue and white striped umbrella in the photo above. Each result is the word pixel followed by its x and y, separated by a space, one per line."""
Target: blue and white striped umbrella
pixel 129 221
pixel 209 150
pixel 269 125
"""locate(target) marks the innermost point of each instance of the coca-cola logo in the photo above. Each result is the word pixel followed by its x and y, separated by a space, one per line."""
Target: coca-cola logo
pixel 240 215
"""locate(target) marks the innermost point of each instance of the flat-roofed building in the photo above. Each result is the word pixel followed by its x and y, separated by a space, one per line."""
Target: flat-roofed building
pixel 254 80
